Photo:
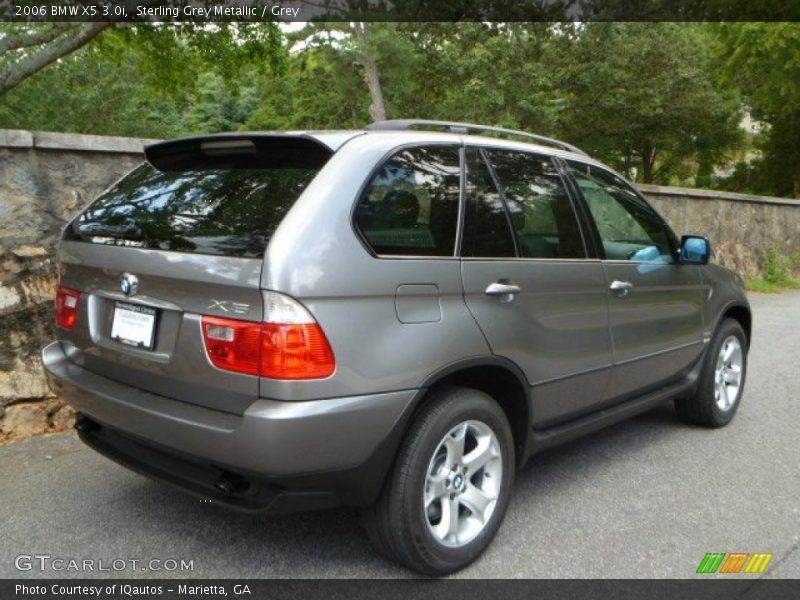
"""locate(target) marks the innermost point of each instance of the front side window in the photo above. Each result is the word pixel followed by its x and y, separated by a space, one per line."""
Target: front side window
pixel 541 213
pixel 629 227
pixel 410 206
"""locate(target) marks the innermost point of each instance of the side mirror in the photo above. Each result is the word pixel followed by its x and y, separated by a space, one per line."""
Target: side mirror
pixel 695 250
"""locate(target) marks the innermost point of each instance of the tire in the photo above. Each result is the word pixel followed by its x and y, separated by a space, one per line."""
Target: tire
pixel 711 406
pixel 405 525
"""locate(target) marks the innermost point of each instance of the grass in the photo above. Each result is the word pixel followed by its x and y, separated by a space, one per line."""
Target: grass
pixel 769 287
pixel 777 274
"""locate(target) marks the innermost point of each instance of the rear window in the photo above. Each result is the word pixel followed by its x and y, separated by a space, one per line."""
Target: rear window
pixel 225 211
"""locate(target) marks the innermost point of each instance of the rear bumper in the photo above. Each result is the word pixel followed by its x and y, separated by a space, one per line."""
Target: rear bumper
pixel 281 456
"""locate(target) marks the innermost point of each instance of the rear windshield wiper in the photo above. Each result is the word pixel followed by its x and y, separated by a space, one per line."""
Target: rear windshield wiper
pixel 128 231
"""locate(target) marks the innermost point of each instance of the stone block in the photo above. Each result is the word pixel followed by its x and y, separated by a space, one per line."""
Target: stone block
pixel 23 420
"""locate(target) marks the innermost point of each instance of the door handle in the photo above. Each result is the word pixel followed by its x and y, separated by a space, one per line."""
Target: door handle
pixel 621 288
pixel 506 291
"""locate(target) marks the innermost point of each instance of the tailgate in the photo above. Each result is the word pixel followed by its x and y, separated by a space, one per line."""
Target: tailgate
pixel 179 288
pixel 175 239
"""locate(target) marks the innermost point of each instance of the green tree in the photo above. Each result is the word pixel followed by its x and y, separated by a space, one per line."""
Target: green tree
pixel 763 60
pixel 87 92
pixel 325 62
pixel 479 72
pixel 319 85
pixel 140 80
pixel 175 55
pixel 26 49
pixel 643 96
pixel 216 106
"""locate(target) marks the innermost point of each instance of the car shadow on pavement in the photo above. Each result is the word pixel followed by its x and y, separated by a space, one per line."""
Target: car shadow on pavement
pixel 625 441
pixel 332 543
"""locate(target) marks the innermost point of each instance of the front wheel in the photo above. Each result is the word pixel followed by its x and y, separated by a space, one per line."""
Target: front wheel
pixel 448 492
pixel 721 382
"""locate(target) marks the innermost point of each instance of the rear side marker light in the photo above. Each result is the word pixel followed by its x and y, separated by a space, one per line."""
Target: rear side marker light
pixel 233 345
pixel 66 309
pixel 289 344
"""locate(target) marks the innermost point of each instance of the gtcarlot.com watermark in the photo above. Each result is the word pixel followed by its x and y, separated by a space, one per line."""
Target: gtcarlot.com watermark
pixel 58 564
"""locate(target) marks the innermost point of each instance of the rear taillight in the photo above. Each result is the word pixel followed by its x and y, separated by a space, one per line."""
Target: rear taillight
pixel 67 307
pixel 299 351
pixel 293 345
pixel 289 344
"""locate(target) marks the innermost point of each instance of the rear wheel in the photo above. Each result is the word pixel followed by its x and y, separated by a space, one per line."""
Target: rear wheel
pixel 449 489
pixel 721 382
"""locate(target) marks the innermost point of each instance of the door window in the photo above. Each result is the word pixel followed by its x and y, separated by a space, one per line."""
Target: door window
pixel 541 213
pixel 410 207
pixel 487 231
pixel 629 227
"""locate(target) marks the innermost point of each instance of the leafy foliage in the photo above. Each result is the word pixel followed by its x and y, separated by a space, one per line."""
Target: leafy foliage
pixel 763 61
pixel 89 93
pixel 651 103
pixel 216 106
pixel 139 80
pixel 661 101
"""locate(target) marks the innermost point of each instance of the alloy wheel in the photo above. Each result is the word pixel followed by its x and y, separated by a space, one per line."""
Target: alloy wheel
pixel 728 373
pixel 463 483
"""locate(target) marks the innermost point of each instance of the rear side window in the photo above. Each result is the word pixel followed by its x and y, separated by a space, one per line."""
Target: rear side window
pixel 410 206
pixel 231 212
pixel 541 212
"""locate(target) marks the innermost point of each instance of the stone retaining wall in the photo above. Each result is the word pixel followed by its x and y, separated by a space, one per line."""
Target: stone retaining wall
pixel 46 177
pixel 741 227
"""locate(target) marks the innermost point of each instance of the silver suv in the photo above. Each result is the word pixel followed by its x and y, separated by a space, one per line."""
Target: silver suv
pixel 394 318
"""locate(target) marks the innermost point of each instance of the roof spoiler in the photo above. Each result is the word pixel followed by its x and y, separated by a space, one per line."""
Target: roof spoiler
pixel 238 151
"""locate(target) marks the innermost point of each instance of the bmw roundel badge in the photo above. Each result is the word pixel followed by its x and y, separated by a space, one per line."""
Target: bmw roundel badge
pixel 129 284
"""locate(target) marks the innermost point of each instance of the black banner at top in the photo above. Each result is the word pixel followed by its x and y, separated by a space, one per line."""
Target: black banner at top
pixel 254 11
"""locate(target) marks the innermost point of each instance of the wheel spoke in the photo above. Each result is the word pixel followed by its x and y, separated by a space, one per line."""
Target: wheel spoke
pixel 455 447
pixel 723 394
pixel 435 488
pixel 476 501
pixel 448 524
pixel 452 528
pixel 732 376
pixel 727 352
pixel 480 455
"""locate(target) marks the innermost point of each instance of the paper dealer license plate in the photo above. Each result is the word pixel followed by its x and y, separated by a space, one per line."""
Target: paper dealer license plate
pixel 134 325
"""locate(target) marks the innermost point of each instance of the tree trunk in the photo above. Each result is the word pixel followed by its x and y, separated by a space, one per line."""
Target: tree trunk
pixel 372 76
pixel 51 51
pixel 648 163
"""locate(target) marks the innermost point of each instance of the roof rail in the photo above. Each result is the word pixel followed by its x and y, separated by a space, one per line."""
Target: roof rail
pixel 468 128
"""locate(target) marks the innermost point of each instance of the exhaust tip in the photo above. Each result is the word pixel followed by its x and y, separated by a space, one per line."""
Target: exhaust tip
pixel 84 424
pixel 230 483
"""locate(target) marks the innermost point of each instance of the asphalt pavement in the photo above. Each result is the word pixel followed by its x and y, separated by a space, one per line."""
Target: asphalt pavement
pixel 645 498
